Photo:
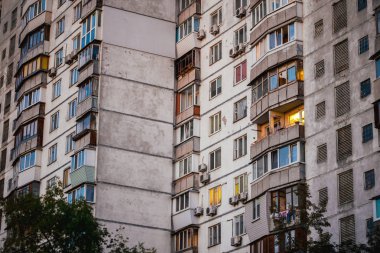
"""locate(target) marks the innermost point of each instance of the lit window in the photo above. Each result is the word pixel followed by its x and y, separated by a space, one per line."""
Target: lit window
pixel 298 117
pixel 241 184
pixel 215 196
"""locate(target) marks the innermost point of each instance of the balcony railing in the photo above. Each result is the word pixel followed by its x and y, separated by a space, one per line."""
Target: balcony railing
pixel 31 83
pixel 28 176
pixel 85 174
pixel 43 18
pixel 194 8
pixel 90 70
pixel 192 76
pixel 186 182
pixel 189 112
pixel 285 219
pixel 186 147
pixel 284 95
pixel 89 104
pixel 87 140
pixel 280 137
pixel 184 219
pixel 37 110
pixel 187 43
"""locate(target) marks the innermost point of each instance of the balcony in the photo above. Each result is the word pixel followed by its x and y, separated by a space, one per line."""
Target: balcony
pixel 284 219
pixel 37 110
pixel 376 89
pixel 90 70
pixel 89 104
pixel 186 147
pixel 184 219
pixel 282 99
pixel 33 82
pixel 43 18
pixel 187 43
pixel 278 138
pixel 87 140
pixel 190 77
pixel 29 175
pixel 278 177
pixel 186 182
pixel 194 8
pixel 42 48
pixel 376 53
pixel 189 112
pixel 88 6
pixel 85 174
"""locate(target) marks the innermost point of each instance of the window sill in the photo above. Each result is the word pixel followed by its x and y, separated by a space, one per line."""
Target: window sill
pixel 257 219
pixel 51 162
pixel 211 134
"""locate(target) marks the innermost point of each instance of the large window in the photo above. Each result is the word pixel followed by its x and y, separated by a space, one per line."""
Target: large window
pixel 256 209
pixel 378 66
pixel 239 225
pixel 281 36
pixel 78 160
pixel 27 161
pixel 183 4
pixel 39 63
pixel 214 235
pixel 182 202
pixel 186 239
pixel 259 12
pixel 241 35
pixel 240 72
pixel 185 166
pixel 88 54
pixel 86 90
pixel 27 132
pixel 28 100
pixel 376 209
pixel 70 143
pixel 284 200
pixel 275 4
pixel 52 154
pixel 240 109
pixel 186 131
pixel 72 109
pixel 241 184
pixel 215 196
pixel 215 159
pixel 188 26
pixel 216 53
pixel 240 147
pixel 34 39
pixel 215 122
pixel 215 87
pixel 56 89
pixel 84 192
pixel 88 29
pixel 189 97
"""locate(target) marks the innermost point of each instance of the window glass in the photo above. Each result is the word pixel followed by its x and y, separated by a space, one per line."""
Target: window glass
pixel 284 156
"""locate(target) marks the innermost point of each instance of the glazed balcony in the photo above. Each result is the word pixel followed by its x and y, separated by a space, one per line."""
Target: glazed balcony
pixel 189 112
pixel 192 9
pixel 91 69
pixel 186 182
pixel 42 48
pixel 278 177
pixel 278 138
pixel 37 110
pixel 88 6
pixel 184 218
pixel 187 43
pixel 190 77
pixel 25 146
pixel 281 99
pixel 187 63
pixel 85 174
pixel 188 146
pixel 87 105
pixel 285 219
pixel 86 141
pixel 376 53
pixel 43 18
pixel 29 175
pixel 376 89
pixel 40 79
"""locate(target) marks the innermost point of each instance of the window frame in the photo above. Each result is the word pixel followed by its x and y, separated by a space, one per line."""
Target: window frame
pixel 215 123
pixel 218 86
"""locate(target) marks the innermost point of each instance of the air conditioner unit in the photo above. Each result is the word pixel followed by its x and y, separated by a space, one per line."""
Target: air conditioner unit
pixel 214 29
pixel 205 178
pixel 236 241
pixel 202 167
pixel 53 72
pixel 211 211
pixel 234 200
pixel 233 53
pixel 201 34
pixel 198 211
pixel 68 59
pixel 241 47
pixel 240 12
pixel 243 196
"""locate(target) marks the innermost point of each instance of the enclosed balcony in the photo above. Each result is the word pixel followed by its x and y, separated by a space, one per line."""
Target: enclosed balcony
pixel 40 79
pixel 376 89
pixel 35 111
pixel 185 65
pixel 85 125
pixel 184 219
pixel 189 11
pixel 87 105
pixel 89 6
pixel 186 147
pixel 88 140
pixel 30 175
pixel 190 77
pixel 42 48
pixel 187 43
pixel 85 174
pixel 186 182
pixel 43 18
pixel 189 112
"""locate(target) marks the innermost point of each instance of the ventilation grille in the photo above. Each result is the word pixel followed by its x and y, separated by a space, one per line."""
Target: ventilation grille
pixel 341 56
pixel 319 69
pixel 347 229
pixel 323 196
pixel 339 15
pixel 322 153
pixel 344 147
pixel 346 187
pixel 318 28
pixel 342 99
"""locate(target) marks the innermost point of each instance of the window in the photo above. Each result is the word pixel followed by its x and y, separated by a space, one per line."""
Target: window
pixel 347 229
pixel 241 35
pixel 215 123
pixel 27 132
pixel 259 12
pixel 376 209
pixel 77 12
pixel 61 2
pixel 189 97
pixel 240 72
pixel 182 202
pixel 70 143
pixel 27 161
pixel 369 179
pixel 60 27
pixel 86 192
pixel 344 143
pixel 323 197
pixel 370 228
pixel 256 209
pixel 215 196
pixel 339 16
pixel 214 235
pixel 216 53
pixel 9 73
pixel 363 44
pixel 14 19
pixel 319 69
pixel 33 66
pixel 241 184
pixel 281 36
pixel 78 160
pixel 34 39
pixel 53 154
pixel 240 147
pixel 56 89
pixel 186 239
pixel 86 123
pixel 240 109
pixel 345 187
pixel 185 166
pixel 342 99
pixel 362 4
pixel 51 183
pixel 7 103
pixel 216 17
pixel 239 225
pixel 188 26
pixel 3 161
pixel 365 88
pixel 12 46
pixel 5 27
pixel 215 87
pixel 72 109
pixel 284 200
pixel 29 100
pixel 86 90
pixel 322 153
pixel 341 56
pixel 318 28
pixel 275 4
pixel 240 4
pixel 74 76
pixel 186 131
pixel 183 4
pixel 5 131
pixel 367 133
pixel 320 110
pixel 54 121
pixel 59 57
pixel 66 177
pixel 34 10
pixel 88 29
pixel 215 159
pixel 88 54
pixel 378 66
pixel 260 167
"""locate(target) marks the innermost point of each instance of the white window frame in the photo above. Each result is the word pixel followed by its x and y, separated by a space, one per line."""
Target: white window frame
pixel 259 12
pixel 185 166
pixel 218 17
pixel 276 34
pixel 182 202
pixel 53 153
pixel 213 156
pixel 375 218
pixel 60 27
pixel 242 102
pixel 56 89
pixel 187 131
pixel 242 31
pixel 240 147
pixel 239 180
pixel 217 82
pixel 216 52
pixel 215 122
pixel 54 121
pixel 70 143
pixel 239 228
pixel 72 111
pixel 212 238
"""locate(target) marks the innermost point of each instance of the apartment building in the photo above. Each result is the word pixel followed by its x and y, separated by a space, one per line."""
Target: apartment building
pixel 341 110
pixel 83 109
